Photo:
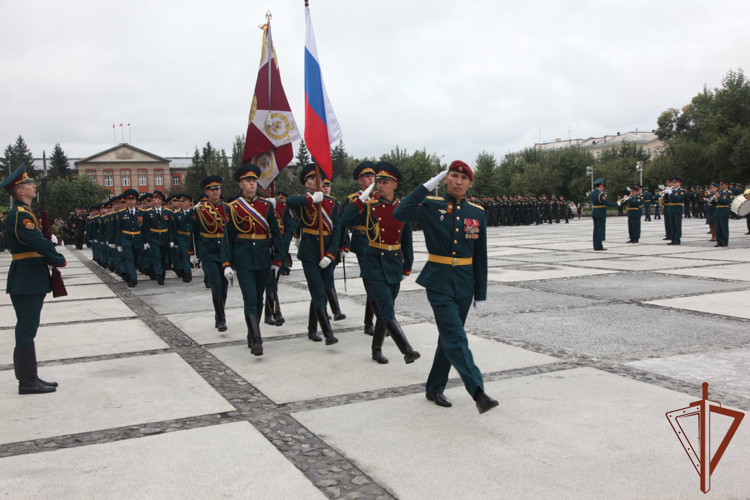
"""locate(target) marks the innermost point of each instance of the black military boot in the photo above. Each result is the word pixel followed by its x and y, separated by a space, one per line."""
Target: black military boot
pixel 312 326
pixel 219 316
pixel 268 310
pixel 24 363
pixel 484 402
pixel 254 340
pixel 277 315
pixel 325 325
pixel 377 343
pixel 410 355
pixel 369 329
pixel 333 300
pixel 159 279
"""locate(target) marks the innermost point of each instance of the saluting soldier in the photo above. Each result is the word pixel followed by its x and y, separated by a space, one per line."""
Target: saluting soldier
pixel 633 205
pixel 252 246
pixel 676 199
pixel 364 174
pixel 722 202
pixel 599 204
pixel 318 271
pixel 129 224
pixel 28 278
pixel 455 233
pixel 287 223
pixel 387 259
pixel 209 218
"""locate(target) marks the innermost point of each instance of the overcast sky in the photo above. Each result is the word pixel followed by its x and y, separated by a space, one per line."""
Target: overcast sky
pixel 454 77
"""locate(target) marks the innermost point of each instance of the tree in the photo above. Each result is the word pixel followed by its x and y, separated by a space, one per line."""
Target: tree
pixel 485 175
pixel 238 150
pixel 303 155
pixel 64 195
pixel 18 154
pixel 339 159
pixel 60 164
pixel 196 172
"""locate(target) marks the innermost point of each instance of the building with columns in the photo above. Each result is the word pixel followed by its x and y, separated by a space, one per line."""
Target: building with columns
pixel 597 145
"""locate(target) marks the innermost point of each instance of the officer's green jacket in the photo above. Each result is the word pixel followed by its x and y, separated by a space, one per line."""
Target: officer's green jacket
pixel 158 230
pixel 110 227
pixel 28 274
pixel 648 197
pixel 673 201
pixel 128 228
pixel 599 204
pixel 358 241
pixel 208 228
pixel 182 221
pixel 455 231
pixel 252 239
pixel 722 202
pixel 379 263
pixel 634 205
pixel 287 222
pixel 307 213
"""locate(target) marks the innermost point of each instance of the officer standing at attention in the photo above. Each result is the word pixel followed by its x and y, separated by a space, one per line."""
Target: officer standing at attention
pixel 28 277
pixel 599 204
pixel 78 223
pixel 209 219
pixel 364 174
pixel 722 202
pixel 252 245
pixel 317 270
pixel 676 198
pixel 648 197
pixel 388 257
pixel 633 205
pixel 455 233
pixel 158 236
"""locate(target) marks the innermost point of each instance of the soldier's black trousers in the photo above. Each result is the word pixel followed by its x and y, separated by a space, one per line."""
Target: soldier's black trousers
pixel 316 281
pixel 647 210
pixel 160 256
pixel 668 226
pixel 252 284
pixel 28 313
pixel 634 228
pixel 216 279
pixel 722 230
pixel 676 224
pixel 600 225
pixel 384 295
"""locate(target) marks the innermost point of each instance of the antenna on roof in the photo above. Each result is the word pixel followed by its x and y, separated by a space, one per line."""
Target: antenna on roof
pixel 568 133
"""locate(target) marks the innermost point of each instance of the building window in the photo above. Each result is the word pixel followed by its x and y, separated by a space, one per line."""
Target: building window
pixel 91 174
pixel 175 180
pixel 109 180
pixel 125 174
pixel 142 178
pixel 598 154
pixel 158 178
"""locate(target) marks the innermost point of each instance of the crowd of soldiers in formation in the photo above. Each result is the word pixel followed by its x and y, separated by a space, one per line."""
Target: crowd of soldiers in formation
pixel 526 210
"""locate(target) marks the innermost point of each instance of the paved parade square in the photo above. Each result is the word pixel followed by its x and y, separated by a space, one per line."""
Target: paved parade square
pixel 586 351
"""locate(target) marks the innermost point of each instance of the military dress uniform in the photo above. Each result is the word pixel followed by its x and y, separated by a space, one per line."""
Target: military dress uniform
pixel 128 235
pixel 722 202
pixel 657 205
pixel 208 228
pixel 599 204
pixel 455 233
pixel 307 212
pixel 252 244
pixel 28 283
pixel 388 257
pixel 159 236
pixel 183 237
pixel 633 205
pixel 676 200
pixel 287 223
pixel 648 198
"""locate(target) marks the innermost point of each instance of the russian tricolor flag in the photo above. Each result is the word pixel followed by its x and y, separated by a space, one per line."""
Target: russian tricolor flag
pixel 321 126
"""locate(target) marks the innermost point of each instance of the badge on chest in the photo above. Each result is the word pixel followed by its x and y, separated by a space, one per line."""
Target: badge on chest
pixel 471 229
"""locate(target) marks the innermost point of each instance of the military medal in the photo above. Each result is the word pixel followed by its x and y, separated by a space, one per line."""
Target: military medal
pixel 442 212
pixel 450 208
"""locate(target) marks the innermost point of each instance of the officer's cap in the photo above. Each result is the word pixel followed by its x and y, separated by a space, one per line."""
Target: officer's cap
pixel 17 177
pixel 676 179
pixel 715 184
pixel 309 171
pixel 459 166
pixel 636 186
pixel 212 182
pixel 598 182
pixel 364 168
pixel 281 195
pixel 130 194
pixel 723 182
pixel 247 171
pixel 386 170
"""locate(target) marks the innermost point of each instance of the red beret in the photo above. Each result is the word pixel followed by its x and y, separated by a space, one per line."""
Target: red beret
pixel 459 166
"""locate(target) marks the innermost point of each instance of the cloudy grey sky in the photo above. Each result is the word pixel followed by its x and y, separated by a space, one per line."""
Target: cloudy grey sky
pixel 452 77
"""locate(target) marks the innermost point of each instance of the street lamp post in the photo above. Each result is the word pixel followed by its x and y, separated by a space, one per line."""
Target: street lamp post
pixel 590 171
pixel 639 169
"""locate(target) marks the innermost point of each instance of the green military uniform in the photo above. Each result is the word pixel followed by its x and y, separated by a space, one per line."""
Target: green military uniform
pixel 251 245
pixel 455 233
pixel 183 236
pixel 648 198
pixel 128 235
pixel 158 235
pixel 657 205
pixel 28 283
pixel 388 257
pixel 287 223
pixel 722 202
pixel 599 204
pixel 633 205
pixel 676 200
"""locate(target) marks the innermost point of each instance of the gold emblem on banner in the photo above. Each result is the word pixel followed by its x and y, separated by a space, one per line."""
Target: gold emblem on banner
pixel 278 127
pixel 253 109
pixel 266 164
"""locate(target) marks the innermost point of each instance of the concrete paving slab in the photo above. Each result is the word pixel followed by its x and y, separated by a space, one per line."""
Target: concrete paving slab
pixel 518 242
pixel 66 312
pixel 725 371
pixel 528 272
pixel 89 339
pixel 560 256
pixel 580 245
pixel 317 370
pixel 105 394
pixel 200 325
pixel 739 272
pixel 616 443
pixel 72 264
pixel 79 271
pixel 635 286
pixel 209 462
pixel 642 263
pixel 356 287
pixel 732 254
pixel 657 249
pixel 79 279
pixel 505 252
pixel 74 293
pixel 728 303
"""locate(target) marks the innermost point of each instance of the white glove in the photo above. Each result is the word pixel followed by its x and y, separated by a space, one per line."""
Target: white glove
pixel 119 249
pixel 171 244
pixel 146 246
pixel 194 260
pixel 366 194
pixel 343 253
pixel 619 204
pixel 54 240
pixel 229 273
pixel 176 246
pixel 272 201
pixel 318 197
pixel 297 242
pixel 432 183
pixel 111 245
pixel 478 304
pixel 324 262
pixel 275 269
pixel 96 241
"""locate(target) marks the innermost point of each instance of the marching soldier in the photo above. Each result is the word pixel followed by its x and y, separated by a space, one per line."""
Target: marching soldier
pixel 722 202
pixel 287 223
pixel 129 224
pixel 252 246
pixel 364 174
pixel 28 278
pixel 456 271
pixel 183 235
pixel 318 271
pixel 343 248
pixel 676 199
pixel 387 258
pixel 599 204
pixel 158 236
pixel 648 197
pixel 633 205
pixel 209 219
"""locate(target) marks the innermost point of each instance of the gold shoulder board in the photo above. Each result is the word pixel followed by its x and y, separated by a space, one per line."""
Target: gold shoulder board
pixel 475 205
pixel 436 198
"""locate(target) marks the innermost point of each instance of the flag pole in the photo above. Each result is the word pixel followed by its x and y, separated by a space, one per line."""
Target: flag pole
pixel 130 136
pixel 114 135
pixel 320 211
